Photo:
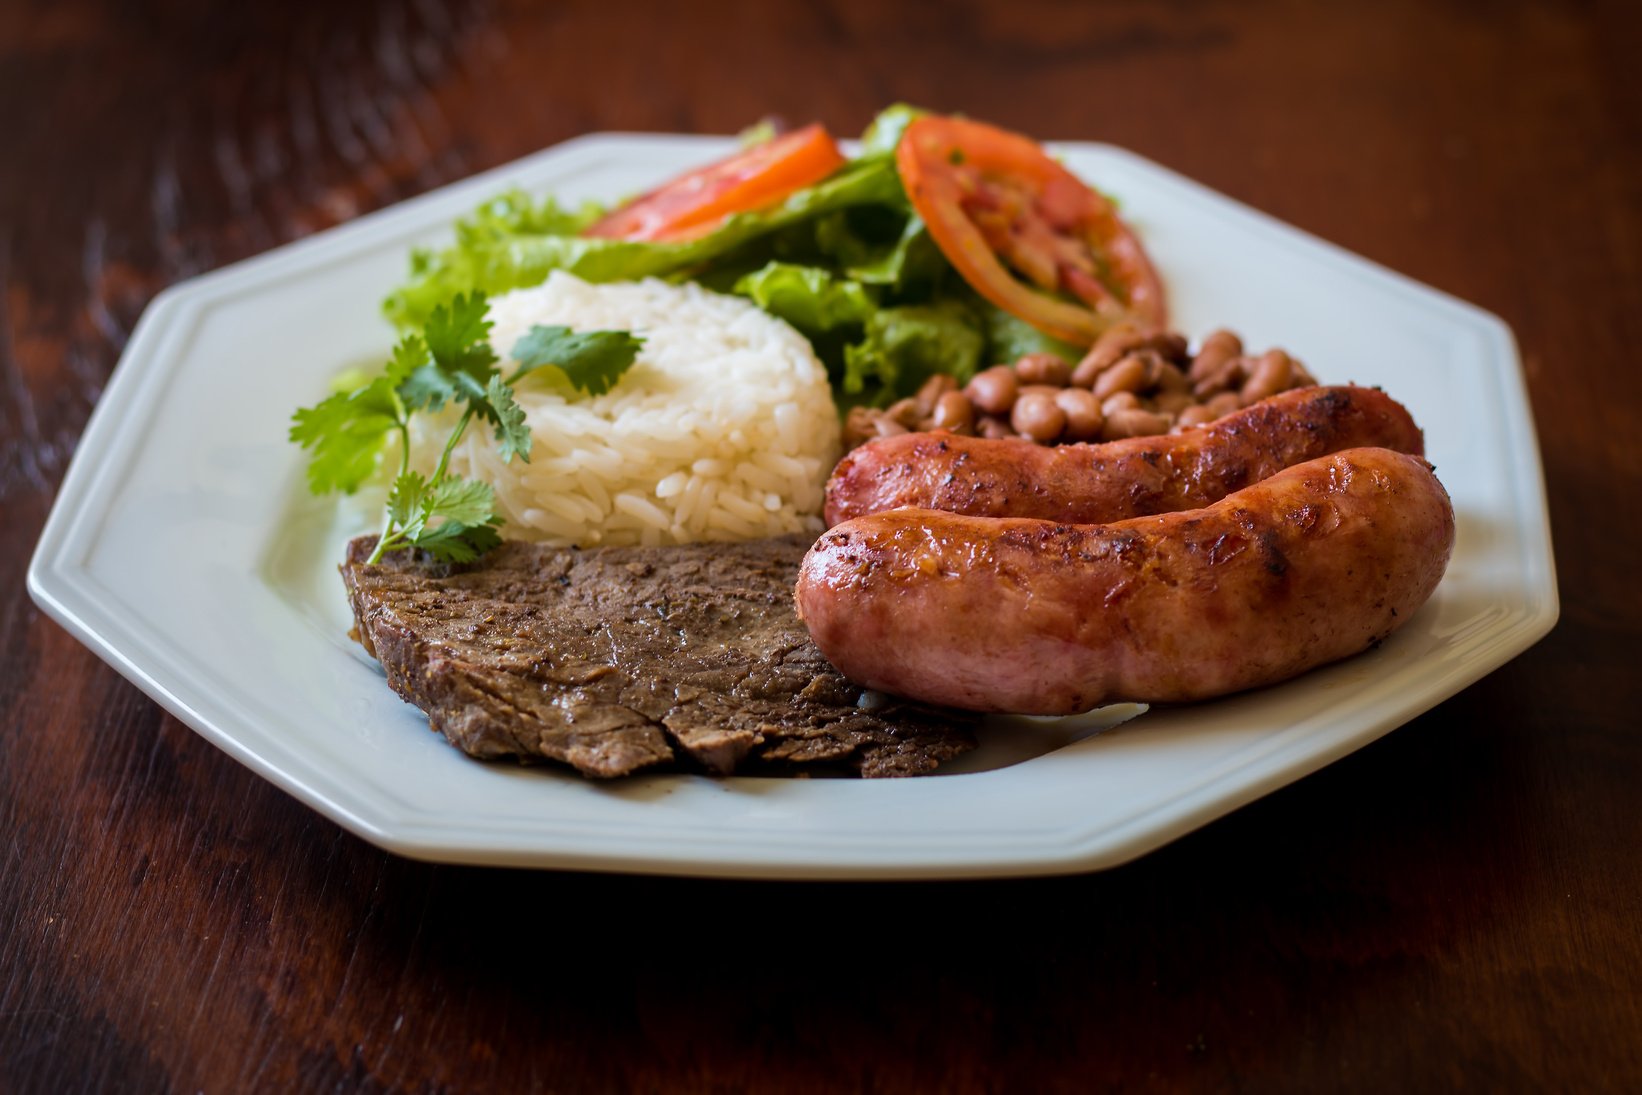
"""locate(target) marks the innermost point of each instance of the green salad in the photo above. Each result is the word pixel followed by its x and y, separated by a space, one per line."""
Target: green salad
pixel 847 261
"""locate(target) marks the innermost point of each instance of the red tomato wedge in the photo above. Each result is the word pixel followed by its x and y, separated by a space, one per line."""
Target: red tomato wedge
pixel 694 204
pixel 1026 233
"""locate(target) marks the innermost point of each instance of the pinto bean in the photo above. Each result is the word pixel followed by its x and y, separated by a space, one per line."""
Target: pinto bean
pixel 1128 375
pixel 992 426
pixel 1171 379
pixel 1043 368
pixel 1083 416
pixel 1135 422
pixel 932 390
pixel 1174 402
pixel 905 412
pixel 1231 374
pixel 1170 346
pixel 1198 414
pixel 860 426
pixel 954 411
pixel 1128 369
pixel 1113 344
pixel 1122 401
pixel 1273 372
pixel 1217 348
pixel 1036 415
pixel 993 390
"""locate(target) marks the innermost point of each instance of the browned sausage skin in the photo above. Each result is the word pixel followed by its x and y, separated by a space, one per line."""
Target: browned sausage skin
pixel 1080 484
pixel 1311 565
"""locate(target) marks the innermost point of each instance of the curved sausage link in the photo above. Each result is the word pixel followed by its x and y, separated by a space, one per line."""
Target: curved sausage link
pixel 1311 565
pixel 984 477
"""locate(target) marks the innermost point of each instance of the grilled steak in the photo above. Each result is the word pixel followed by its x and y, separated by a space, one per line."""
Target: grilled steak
pixel 620 659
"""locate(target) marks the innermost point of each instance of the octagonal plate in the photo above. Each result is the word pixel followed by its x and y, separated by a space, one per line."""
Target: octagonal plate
pixel 183 551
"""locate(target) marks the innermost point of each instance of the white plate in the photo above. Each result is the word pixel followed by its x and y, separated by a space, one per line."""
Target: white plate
pixel 182 551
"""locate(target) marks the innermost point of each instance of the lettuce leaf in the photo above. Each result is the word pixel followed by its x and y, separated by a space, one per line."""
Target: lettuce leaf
pixel 810 298
pixel 905 345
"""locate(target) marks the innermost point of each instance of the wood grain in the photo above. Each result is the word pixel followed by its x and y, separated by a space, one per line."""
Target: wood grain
pixel 1458 906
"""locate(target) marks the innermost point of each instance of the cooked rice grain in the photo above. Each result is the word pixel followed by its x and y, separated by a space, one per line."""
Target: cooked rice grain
pixel 724 428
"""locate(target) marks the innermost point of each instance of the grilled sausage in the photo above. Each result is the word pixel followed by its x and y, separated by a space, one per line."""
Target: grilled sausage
pixel 1311 565
pixel 984 477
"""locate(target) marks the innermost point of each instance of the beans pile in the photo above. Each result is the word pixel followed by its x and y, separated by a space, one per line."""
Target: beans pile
pixel 1131 383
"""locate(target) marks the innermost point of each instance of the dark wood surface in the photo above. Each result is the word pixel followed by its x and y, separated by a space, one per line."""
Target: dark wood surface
pixel 1458 906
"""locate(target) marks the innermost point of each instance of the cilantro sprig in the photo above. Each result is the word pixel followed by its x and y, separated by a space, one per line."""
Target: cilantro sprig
pixel 591 360
pixel 450 361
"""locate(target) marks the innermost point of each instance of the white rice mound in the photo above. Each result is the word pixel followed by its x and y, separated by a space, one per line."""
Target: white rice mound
pixel 723 429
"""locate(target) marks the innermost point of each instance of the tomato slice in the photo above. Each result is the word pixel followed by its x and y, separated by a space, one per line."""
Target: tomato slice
pixel 693 204
pixel 1026 233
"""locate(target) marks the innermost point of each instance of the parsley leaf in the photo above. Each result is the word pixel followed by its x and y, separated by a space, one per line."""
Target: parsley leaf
pixel 405 501
pixel 458 336
pixel 512 435
pixel 465 501
pixel 450 361
pixel 424 386
pixel 414 502
pixel 456 543
pixel 464 508
pixel 592 360
pixel 346 435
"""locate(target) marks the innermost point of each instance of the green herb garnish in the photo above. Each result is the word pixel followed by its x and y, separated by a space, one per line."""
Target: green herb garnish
pixel 449 361
pixel 592 360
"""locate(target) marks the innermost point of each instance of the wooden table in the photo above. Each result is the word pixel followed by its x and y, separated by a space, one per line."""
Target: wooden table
pixel 1457 906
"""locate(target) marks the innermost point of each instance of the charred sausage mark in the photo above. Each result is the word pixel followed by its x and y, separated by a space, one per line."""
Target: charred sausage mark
pixel 1271 551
